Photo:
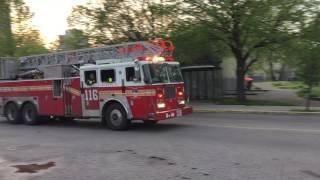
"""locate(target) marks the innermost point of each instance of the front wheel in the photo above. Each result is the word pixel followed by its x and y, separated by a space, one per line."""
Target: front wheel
pixel 30 114
pixel 12 113
pixel 116 117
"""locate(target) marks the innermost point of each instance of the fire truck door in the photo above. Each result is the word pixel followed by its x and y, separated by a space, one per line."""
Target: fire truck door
pixel 89 93
pixel 72 97
pixel 57 107
pixel 68 97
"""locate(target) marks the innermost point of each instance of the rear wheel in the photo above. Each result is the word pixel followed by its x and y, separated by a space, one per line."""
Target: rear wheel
pixel 30 114
pixel 116 117
pixel 12 113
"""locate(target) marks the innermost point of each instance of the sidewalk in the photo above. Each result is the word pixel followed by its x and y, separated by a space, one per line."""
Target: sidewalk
pixel 208 107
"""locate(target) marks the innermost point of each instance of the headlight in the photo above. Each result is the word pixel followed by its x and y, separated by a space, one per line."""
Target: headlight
pixel 182 102
pixel 161 105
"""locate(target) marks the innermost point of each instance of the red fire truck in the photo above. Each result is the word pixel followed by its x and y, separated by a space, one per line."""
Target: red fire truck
pixel 117 83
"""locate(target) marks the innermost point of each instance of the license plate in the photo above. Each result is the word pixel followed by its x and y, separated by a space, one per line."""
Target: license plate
pixel 179 112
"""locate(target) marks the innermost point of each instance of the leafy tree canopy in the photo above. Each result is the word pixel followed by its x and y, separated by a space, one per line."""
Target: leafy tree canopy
pixel 112 21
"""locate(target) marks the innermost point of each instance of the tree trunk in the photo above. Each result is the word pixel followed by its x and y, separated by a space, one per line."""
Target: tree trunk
pixel 308 98
pixel 271 69
pixel 240 82
pixel 283 73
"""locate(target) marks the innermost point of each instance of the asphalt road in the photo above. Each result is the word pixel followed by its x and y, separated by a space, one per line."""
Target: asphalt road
pixel 202 146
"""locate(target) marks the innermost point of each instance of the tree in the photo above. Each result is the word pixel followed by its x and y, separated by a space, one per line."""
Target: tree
pixel 74 39
pixel 276 59
pixel 113 21
pixel 27 39
pixel 6 39
pixel 309 72
pixel 247 26
pixel 307 50
pixel 28 43
pixel 194 46
pixel 17 38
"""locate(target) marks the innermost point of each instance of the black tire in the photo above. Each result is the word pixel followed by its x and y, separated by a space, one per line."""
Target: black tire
pixel 116 117
pixel 150 123
pixel 12 113
pixel 30 114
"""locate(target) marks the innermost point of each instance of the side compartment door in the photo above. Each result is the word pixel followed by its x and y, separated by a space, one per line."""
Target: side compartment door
pixel 72 97
pixel 58 104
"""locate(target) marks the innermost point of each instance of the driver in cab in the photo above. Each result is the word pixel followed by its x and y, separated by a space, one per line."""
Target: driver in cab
pixel 92 79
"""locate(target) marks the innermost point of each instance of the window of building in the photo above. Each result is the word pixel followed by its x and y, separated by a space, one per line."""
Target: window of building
pixel 108 76
pixel 90 77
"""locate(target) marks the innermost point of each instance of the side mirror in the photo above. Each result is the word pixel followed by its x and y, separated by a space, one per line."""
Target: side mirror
pixel 137 74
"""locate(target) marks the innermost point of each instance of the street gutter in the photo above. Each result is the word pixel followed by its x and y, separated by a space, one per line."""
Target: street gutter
pixel 200 110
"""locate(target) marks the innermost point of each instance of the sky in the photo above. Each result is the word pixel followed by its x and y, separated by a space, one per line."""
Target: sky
pixel 50 16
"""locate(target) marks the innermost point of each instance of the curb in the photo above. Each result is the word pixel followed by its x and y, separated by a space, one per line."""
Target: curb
pixel 253 112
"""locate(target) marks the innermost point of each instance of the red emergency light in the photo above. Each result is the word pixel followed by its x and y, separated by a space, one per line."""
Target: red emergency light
pixel 166 53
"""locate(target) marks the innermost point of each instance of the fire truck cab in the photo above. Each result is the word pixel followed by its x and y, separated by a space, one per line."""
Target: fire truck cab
pixel 148 88
pixel 141 90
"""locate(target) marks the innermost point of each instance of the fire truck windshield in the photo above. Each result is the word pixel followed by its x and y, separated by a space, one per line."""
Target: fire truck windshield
pixel 162 73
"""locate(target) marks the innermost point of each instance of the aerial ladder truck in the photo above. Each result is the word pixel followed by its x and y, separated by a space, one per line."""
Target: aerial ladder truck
pixel 117 83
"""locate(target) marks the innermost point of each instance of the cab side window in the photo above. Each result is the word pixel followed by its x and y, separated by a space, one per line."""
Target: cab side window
pixel 130 74
pixel 108 76
pixel 90 77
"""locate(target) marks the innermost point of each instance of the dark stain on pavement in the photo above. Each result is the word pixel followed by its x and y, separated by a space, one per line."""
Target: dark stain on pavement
pixel 131 151
pixel 33 168
pixel 311 173
pixel 183 177
pixel 236 164
pixel 157 158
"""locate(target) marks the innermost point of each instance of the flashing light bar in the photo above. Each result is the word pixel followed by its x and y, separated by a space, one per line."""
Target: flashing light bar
pixel 155 58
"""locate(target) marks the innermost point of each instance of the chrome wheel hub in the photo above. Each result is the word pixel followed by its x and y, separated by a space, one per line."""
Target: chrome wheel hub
pixel 28 115
pixel 116 117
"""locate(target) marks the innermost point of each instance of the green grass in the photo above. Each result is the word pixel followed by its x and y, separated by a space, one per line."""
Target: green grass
pixel 288 85
pixel 315 92
pixel 234 101
pixel 296 85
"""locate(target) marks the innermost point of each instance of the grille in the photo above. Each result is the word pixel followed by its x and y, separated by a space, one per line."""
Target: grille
pixel 170 92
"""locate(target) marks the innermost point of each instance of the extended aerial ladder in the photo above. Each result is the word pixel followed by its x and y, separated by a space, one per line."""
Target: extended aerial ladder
pixel 11 68
pixel 134 50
